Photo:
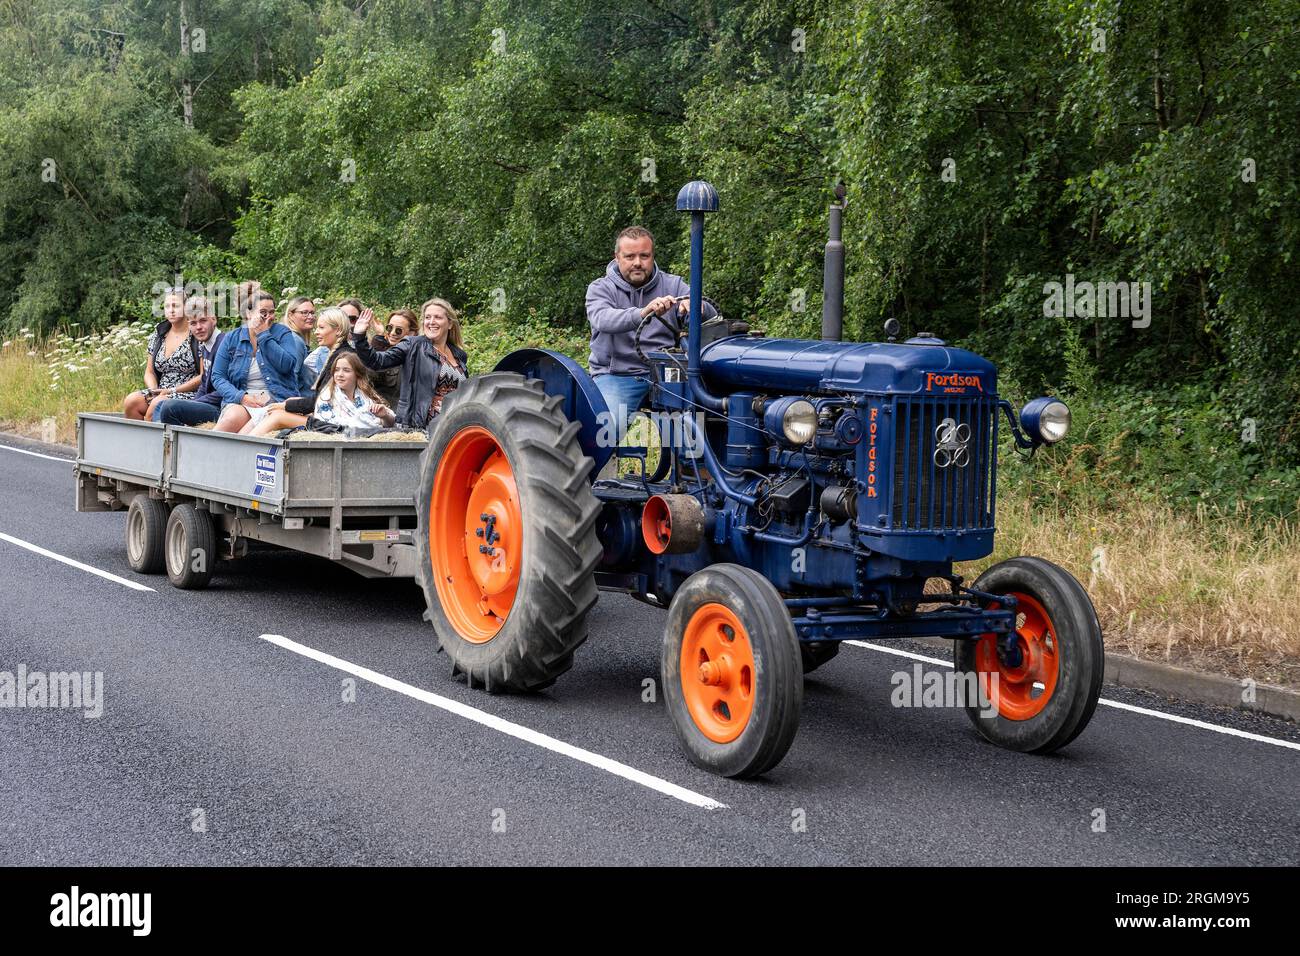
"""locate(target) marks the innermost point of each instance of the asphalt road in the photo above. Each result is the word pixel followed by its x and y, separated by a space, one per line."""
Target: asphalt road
pixel 206 722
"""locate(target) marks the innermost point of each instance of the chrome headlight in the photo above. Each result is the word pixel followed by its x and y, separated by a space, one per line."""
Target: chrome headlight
pixel 1045 420
pixel 799 422
pixel 791 417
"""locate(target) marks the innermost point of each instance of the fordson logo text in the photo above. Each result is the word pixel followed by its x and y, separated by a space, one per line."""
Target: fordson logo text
pixel 872 428
pixel 952 382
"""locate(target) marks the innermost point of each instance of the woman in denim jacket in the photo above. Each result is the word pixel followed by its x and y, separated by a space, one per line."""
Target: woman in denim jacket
pixel 259 363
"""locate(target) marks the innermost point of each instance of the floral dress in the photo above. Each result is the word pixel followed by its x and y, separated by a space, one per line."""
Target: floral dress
pixel 177 368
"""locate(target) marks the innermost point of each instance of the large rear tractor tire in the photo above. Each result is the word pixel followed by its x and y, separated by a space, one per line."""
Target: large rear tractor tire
pixel 1045 693
pixel 507 541
pixel 732 675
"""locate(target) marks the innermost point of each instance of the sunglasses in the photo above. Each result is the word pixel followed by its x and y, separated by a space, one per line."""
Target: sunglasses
pixel 395 328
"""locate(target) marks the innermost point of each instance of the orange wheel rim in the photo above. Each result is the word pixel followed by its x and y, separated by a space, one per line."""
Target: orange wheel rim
pixel 718 673
pixel 475 534
pixel 1023 691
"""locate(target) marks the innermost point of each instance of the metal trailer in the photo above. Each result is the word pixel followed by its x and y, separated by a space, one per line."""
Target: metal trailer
pixel 195 496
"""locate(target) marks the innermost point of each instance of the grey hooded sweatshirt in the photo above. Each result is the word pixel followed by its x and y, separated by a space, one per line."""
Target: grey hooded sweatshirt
pixel 614 311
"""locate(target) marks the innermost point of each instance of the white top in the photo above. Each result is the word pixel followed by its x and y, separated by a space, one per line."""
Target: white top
pixel 256 380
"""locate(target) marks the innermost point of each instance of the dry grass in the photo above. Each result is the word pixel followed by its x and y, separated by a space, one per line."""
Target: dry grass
pixel 1202 590
pixel 309 435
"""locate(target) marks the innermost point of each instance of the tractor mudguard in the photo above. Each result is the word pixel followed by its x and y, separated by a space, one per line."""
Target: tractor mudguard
pixel 583 403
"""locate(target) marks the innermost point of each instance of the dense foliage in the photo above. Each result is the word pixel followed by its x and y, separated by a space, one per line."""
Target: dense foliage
pixel 487 150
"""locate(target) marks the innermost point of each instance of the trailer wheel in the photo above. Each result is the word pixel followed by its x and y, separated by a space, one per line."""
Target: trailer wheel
pixel 191 548
pixel 507 544
pixel 731 671
pixel 146 523
pixel 1046 698
pixel 817 653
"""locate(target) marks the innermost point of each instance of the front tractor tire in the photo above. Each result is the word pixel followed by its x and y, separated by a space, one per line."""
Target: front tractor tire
pixel 506 547
pixel 732 674
pixel 1045 695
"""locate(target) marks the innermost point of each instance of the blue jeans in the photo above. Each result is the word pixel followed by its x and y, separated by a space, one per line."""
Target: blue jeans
pixel 623 395
pixel 184 411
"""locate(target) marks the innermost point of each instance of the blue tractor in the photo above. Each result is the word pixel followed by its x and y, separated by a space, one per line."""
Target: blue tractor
pixel 803 493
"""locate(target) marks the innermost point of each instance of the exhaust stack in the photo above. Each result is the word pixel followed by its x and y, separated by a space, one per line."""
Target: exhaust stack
pixel 833 278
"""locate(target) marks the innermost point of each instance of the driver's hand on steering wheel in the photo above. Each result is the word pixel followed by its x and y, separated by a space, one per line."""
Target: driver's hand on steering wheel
pixel 658 306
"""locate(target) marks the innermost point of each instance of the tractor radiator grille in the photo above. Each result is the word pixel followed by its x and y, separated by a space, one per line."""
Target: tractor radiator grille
pixel 944 453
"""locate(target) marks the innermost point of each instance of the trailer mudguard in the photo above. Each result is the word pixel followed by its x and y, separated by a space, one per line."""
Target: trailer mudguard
pixel 583 403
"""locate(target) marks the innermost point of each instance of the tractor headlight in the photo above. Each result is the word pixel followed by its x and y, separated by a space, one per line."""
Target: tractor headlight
pixel 1045 420
pixel 793 417
pixel 799 423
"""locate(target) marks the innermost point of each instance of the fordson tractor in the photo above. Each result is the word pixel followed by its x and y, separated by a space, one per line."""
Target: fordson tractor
pixel 804 494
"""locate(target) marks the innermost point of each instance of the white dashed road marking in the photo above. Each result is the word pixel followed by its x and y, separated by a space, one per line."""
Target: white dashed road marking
pixel 37 549
pixel 36 454
pixel 518 731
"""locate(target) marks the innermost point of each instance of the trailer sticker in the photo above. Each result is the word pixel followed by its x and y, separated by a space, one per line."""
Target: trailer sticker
pixel 264 477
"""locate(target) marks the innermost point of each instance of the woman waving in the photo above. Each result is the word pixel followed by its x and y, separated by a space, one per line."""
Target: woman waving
pixel 433 363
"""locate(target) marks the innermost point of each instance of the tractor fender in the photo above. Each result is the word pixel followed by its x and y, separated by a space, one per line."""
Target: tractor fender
pixel 583 403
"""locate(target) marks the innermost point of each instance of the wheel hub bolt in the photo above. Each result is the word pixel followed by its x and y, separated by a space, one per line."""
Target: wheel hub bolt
pixel 712 673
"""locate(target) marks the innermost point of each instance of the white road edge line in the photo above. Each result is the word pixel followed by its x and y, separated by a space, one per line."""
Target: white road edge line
pixel 71 563
pixel 507 727
pixel 36 454
pixel 1217 728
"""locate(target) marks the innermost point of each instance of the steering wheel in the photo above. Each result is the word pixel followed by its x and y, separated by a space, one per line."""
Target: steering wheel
pixel 677 330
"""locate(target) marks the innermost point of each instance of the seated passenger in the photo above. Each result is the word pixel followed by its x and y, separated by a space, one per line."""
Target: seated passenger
pixel 352 308
pixel 174 364
pixel 433 363
pixel 388 382
pixel 332 333
pixel 206 403
pixel 348 400
pixel 258 363
pixel 300 315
